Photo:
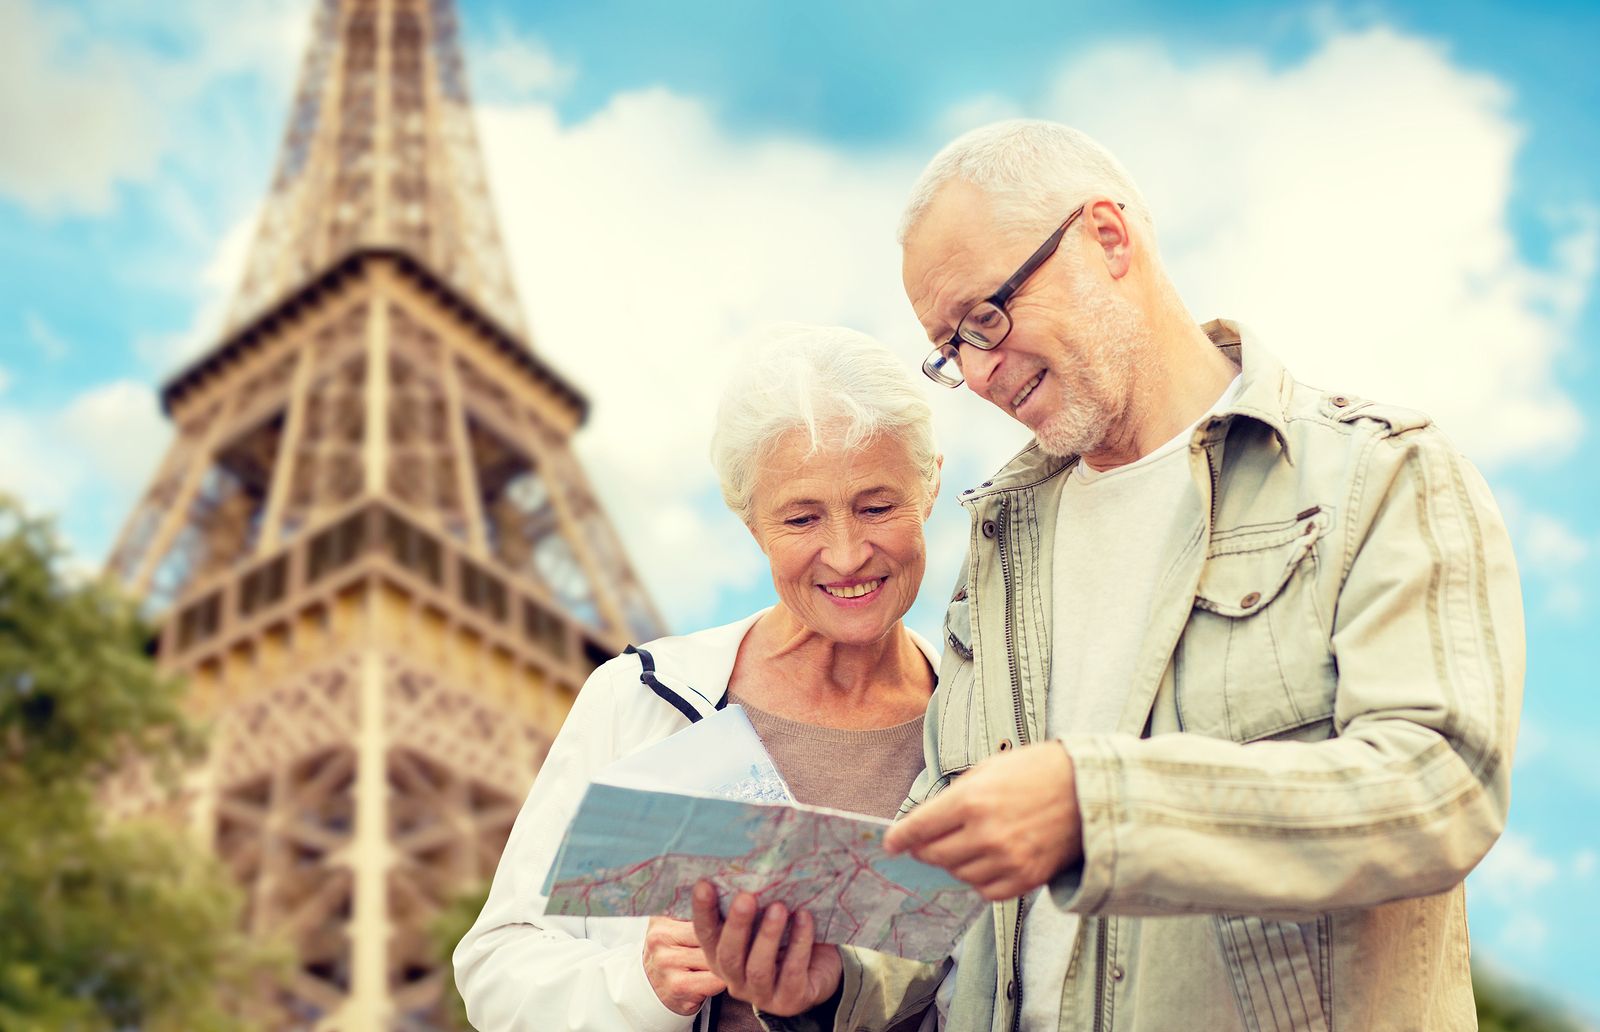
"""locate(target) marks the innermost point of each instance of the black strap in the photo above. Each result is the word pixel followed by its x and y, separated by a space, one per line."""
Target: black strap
pixel 648 678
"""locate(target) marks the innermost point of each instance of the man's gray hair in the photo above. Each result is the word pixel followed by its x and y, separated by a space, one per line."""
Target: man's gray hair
pixel 840 387
pixel 1033 172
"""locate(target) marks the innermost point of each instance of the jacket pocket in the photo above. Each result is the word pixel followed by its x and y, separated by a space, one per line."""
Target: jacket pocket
pixel 1276 972
pixel 958 725
pixel 1254 661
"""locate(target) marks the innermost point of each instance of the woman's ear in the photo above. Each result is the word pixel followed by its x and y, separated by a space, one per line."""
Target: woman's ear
pixel 933 489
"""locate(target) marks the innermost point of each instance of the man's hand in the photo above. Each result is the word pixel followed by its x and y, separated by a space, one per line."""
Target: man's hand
pixel 1005 827
pixel 805 975
pixel 676 966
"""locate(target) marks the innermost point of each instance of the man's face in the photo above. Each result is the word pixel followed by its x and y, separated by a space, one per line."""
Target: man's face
pixel 1066 369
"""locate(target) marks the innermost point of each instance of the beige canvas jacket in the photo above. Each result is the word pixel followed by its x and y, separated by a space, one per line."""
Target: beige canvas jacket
pixel 1315 751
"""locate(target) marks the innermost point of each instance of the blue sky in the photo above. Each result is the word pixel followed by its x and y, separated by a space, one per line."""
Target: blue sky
pixel 1403 199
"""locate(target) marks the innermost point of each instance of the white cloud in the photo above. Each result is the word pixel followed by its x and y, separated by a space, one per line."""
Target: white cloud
pixel 647 242
pixel 1550 545
pixel 119 429
pixel 1524 933
pixel 48 342
pixel 1354 208
pixel 72 112
pixel 1583 864
pixel 508 66
pixel 217 281
pixel 82 463
pixel 37 468
pixel 1513 870
pixel 1566 600
pixel 89 100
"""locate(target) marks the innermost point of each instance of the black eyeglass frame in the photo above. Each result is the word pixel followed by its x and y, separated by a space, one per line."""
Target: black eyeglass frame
pixel 947 352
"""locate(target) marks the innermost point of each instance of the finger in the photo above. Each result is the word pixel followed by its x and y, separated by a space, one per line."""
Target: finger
pixel 957 849
pixel 729 958
pixel 696 983
pixel 678 933
pixel 1002 889
pixel 760 972
pixel 932 820
pixel 680 958
pixel 707 920
pixel 792 981
pixel 979 871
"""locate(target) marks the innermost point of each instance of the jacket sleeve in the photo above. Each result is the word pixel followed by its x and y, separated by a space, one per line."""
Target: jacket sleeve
pixel 519 970
pixel 1413 788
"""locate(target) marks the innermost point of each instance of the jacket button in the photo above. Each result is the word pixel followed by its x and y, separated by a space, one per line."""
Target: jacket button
pixel 1005 743
pixel 1011 990
pixel 988 483
pixel 1117 974
pixel 988 528
pixel 1339 401
pixel 1250 600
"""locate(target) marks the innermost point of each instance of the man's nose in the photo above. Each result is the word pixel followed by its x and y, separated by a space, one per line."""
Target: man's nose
pixel 978 367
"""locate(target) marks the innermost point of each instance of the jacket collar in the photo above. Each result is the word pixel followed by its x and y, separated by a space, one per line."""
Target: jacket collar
pixel 1263 397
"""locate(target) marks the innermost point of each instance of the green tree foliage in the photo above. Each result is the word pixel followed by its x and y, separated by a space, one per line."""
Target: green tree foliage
pixel 1504 1006
pixel 102 926
pixel 446 930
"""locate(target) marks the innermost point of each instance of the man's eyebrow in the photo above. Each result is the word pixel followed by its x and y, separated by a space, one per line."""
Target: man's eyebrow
pixel 962 307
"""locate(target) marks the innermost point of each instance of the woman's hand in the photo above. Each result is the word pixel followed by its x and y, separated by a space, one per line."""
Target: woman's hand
pixel 676 966
pixel 804 976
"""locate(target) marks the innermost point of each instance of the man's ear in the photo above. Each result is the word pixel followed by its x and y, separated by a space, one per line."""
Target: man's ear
pixel 1110 227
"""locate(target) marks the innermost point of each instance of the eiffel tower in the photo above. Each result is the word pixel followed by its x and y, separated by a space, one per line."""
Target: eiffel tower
pixel 382 572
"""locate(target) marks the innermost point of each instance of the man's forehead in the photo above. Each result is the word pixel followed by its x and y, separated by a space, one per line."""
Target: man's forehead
pixel 952 254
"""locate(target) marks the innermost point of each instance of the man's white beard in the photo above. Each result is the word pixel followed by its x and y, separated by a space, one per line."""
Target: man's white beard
pixel 1097 397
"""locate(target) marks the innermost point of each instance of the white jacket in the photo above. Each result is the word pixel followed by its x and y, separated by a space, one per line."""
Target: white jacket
pixel 519 970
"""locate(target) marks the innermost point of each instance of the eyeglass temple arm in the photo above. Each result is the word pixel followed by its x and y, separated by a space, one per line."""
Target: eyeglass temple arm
pixel 1039 257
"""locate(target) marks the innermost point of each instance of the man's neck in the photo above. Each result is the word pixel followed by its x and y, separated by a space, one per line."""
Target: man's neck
pixel 1182 379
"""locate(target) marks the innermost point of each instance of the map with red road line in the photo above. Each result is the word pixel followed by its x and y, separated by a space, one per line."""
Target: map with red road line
pixel 635 853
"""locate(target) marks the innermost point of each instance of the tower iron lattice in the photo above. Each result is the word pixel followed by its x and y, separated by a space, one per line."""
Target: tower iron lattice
pixel 380 567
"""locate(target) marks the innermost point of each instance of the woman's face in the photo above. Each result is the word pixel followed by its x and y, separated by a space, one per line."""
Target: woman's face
pixel 843 532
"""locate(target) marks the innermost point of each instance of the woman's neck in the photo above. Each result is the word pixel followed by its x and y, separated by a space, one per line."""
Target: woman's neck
pixel 788 669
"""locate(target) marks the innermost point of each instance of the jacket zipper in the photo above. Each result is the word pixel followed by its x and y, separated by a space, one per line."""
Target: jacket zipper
pixel 1211 467
pixel 1099 973
pixel 1011 646
pixel 1022 739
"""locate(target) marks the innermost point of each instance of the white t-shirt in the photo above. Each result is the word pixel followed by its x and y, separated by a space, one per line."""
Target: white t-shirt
pixel 1108 537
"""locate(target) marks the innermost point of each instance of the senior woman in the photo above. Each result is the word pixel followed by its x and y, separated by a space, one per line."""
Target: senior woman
pixel 825 450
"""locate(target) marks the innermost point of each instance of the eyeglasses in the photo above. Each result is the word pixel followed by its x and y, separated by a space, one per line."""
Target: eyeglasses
pixel 987 323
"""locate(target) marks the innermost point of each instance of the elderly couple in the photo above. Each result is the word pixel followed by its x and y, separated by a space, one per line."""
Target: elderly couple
pixel 1226 698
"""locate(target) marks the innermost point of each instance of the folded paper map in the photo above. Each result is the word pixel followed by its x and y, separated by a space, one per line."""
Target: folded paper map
pixel 720 756
pixel 632 852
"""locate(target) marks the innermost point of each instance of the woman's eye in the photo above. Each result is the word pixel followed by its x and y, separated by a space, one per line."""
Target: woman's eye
pixel 877 510
pixel 799 521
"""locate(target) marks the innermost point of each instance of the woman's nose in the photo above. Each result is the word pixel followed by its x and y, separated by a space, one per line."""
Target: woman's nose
pixel 846 549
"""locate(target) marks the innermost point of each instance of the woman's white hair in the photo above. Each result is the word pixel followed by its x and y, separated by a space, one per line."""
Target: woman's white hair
pixel 839 387
pixel 1033 172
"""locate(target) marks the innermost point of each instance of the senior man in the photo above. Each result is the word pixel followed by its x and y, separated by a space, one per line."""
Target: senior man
pixel 1231 677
